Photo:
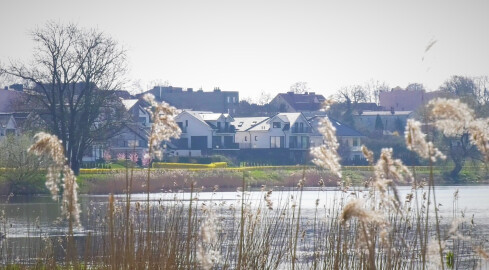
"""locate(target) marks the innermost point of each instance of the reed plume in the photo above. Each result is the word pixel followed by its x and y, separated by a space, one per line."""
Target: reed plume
pixel 164 126
pixel 58 173
pixel 451 116
pixel 355 208
pixel 416 142
pixel 326 155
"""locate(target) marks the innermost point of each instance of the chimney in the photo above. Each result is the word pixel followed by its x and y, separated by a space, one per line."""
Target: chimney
pixel 312 93
pixel 190 90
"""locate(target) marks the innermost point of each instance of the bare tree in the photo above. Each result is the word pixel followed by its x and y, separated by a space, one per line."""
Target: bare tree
pixel 72 73
pixel 415 87
pixel 482 85
pixel 299 88
pixel 352 94
pixel 460 86
pixel 373 88
pixel 264 98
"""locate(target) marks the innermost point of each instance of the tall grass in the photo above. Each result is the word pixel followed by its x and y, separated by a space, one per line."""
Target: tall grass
pixel 366 228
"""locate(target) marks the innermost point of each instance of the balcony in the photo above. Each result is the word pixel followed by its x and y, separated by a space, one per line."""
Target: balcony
pixel 301 130
pixel 227 146
pixel 230 129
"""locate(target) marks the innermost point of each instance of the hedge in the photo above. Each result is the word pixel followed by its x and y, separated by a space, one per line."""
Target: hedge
pixel 165 165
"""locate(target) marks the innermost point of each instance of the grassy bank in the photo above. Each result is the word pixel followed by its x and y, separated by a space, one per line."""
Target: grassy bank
pixel 104 181
pixel 271 176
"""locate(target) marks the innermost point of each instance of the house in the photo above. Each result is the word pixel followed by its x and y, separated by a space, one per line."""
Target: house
pixel 8 126
pixel 292 102
pixel 13 101
pixel 282 131
pixel 137 111
pixel 204 133
pixel 388 123
pixel 399 99
pixel 216 101
pixel 131 138
pixel 350 140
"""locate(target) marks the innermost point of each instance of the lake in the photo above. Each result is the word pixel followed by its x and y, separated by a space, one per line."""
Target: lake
pixel 27 220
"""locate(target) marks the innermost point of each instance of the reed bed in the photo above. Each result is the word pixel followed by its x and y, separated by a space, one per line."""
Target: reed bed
pixel 369 228
pixel 258 233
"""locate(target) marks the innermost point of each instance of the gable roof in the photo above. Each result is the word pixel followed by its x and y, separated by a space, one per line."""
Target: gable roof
pixel 129 103
pixel 264 124
pixel 342 130
pixel 244 123
pixel 9 100
pixel 5 119
pixel 303 102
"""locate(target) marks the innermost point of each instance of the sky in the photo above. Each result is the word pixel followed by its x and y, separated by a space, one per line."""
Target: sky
pixel 266 46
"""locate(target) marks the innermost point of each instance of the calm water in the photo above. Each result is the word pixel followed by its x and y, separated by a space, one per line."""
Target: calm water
pixel 33 215
pixel 32 218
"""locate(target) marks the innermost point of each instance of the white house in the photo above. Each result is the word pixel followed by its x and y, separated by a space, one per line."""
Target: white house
pixel 8 126
pixel 203 132
pixel 284 130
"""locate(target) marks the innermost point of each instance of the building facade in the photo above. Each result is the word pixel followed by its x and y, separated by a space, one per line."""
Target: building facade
pixel 187 99
pixel 399 99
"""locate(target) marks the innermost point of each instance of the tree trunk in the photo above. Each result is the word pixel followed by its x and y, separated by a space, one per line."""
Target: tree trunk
pixel 75 166
pixel 456 170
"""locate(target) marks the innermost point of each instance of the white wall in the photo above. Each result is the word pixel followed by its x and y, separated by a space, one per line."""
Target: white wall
pixel 195 128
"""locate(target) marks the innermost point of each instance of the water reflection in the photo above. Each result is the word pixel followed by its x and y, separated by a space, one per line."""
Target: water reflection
pixel 26 221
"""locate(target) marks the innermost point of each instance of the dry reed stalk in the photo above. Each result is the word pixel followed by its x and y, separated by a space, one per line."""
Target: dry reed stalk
pixel 50 145
pixel 326 155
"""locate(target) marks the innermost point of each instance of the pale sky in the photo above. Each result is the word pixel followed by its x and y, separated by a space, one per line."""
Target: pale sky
pixel 253 46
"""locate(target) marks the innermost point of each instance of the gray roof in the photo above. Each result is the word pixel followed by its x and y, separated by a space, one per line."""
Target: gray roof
pixel 244 123
pixel 8 100
pixel 385 113
pixel 4 119
pixel 263 123
pixel 342 130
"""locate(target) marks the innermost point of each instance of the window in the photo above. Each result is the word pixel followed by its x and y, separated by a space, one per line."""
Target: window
pixel 293 141
pixel 186 123
pixel 277 142
pixel 246 138
pixel 229 99
pixel 276 125
pixel 132 143
pixel 355 142
pixel 304 142
pixel 256 138
pixel 234 99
